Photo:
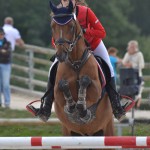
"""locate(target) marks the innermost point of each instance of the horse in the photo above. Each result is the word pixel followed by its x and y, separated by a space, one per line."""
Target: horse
pixel 80 101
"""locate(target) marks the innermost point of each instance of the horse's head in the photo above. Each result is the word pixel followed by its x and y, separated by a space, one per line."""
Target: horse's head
pixel 66 30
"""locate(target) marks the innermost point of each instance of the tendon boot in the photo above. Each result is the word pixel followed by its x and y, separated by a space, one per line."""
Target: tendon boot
pixel 114 97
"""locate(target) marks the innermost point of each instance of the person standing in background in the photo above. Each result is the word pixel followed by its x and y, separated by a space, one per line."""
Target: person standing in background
pixel 135 59
pixel 5 69
pixel 12 34
pixel 114 59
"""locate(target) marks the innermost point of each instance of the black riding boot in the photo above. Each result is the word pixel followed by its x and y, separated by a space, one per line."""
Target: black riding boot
pixel 114 97
pixel 46 103
pixel 48 98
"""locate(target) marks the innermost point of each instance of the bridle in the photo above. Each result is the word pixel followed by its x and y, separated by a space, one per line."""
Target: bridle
pixel 76 65
pixel 76 36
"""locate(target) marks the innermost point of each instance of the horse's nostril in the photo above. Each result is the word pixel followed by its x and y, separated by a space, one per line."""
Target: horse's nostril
pixel 62 57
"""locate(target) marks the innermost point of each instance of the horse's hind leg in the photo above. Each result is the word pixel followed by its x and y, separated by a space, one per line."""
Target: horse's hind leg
pixel 85 114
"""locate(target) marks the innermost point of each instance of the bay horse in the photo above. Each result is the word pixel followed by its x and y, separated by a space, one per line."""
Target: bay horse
pixel 79 102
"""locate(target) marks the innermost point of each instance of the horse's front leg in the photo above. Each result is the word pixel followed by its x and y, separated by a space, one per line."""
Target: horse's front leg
pixel 70 103
pixel 84 113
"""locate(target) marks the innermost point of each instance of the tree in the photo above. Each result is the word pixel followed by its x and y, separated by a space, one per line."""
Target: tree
pixel 114 17
pixel 121 19
pixel 30 17
pixel 140 15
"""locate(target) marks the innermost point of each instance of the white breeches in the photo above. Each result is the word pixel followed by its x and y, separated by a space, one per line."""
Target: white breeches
pixel 102 52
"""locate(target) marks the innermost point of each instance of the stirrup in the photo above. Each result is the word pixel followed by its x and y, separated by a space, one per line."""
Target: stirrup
pixel 34 111
pixel 127 102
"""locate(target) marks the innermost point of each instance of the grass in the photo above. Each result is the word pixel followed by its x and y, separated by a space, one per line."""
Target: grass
pixel 30 130
pixel 26 130
pixel 139 130
pixel 10 113
pixel 50 130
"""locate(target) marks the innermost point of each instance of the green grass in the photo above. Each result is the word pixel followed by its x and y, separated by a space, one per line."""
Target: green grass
pixel 139 130
pixel 50 130
pixel 10 113
pixel 30 130
pixel 26 130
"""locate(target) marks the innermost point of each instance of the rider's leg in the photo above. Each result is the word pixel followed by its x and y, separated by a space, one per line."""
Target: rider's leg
pixel 114 97
pixel 45 111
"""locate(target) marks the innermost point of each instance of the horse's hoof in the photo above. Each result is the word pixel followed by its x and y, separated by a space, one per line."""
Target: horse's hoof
pixel 85 81
pixel 69 110
pixel 70 114
pixel 87 117
pixel 81 106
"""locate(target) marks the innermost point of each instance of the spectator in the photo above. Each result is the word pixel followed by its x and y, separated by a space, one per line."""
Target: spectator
pixel 5 68
pixel 12 34
pixel 114 59
pixel 134 59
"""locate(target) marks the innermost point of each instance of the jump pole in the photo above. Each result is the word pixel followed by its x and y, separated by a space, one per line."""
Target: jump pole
pixel 75 142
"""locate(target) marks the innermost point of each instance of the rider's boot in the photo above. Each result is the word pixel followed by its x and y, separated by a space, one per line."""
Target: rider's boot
pixel 44 111
pixel 114 97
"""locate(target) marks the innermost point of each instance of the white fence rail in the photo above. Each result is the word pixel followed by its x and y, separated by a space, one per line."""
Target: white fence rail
pixel 26 63
pixel 74 142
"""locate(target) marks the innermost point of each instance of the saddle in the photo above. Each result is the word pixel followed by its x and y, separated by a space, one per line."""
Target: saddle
pixel 104 71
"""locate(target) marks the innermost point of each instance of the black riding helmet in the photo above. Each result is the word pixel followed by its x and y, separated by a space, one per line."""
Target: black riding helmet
pixel 62 15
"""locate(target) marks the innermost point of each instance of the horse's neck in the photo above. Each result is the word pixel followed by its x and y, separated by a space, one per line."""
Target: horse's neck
pixel 78 50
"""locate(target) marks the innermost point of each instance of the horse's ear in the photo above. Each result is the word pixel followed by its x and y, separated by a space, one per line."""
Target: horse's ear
pixel 53 7
pixel 70 7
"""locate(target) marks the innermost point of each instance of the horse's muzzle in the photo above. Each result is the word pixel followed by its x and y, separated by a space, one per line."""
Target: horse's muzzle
pixel 62 56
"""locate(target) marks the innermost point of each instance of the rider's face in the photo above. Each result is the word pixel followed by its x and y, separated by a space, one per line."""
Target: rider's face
pixel 65 3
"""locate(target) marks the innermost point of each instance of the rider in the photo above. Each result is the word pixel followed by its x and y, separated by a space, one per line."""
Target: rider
pixel 94 32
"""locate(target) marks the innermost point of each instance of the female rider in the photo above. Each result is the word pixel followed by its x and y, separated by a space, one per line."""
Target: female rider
pixel 94 32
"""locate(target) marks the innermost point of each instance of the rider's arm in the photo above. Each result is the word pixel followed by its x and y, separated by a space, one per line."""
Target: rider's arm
pixel 95 28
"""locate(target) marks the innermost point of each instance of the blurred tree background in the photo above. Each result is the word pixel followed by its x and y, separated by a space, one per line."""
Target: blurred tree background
pixel 123 20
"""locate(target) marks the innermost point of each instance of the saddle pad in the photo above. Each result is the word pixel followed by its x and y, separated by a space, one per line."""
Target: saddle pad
pixel 101 75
